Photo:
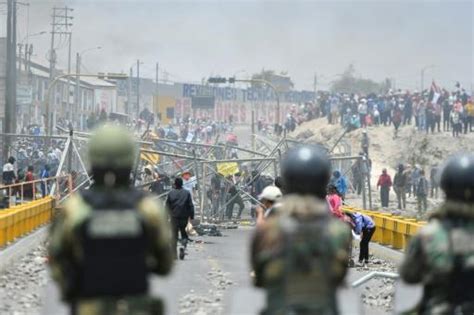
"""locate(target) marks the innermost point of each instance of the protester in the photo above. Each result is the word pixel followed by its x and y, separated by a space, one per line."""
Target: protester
pixel 44 175
pixel 399 185
pixel 28 190
pixel 384 182
pixel 365 142
pixel 456 122
pixel 181 209
pixel 340 182
pixel 233 197
pixel 8 175
pixel 422 192
pixel 364 226
pixel 334 201
pixel 268 199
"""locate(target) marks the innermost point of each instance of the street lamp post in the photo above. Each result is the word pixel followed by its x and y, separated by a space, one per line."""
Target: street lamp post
pixel 129 92
pixel 77 95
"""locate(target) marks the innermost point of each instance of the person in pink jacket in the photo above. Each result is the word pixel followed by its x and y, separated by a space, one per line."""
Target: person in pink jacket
pixel 334 202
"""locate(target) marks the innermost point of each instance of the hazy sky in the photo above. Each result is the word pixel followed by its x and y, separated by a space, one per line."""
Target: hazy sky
pixel 195 39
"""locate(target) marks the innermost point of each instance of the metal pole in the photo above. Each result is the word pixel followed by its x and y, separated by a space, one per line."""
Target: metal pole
pixel 78 112
pixel 198 179
pixel 52 60
pixel 364 192
pixel 138 89
pixel 253 130
pixel 9 82
pixel 129 110
pixel 374 274
pixel 69 107
pixel 69 152
pixel 202 191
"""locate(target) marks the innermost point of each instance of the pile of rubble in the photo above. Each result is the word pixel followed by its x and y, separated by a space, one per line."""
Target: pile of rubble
pixel 210 302
pixel 378 294
pixel 21 282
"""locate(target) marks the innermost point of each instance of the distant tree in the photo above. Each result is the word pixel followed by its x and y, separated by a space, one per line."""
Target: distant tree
pixel 348 83
pixel 281 81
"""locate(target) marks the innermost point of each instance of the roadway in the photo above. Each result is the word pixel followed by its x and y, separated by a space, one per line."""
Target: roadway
pixel 215 279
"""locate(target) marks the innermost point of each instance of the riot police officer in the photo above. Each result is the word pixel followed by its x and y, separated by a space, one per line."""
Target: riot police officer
pixel 441 255
pixel 108 239
pixel 300 256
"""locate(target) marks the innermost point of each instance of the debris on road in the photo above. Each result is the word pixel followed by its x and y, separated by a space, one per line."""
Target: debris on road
pixel 22 282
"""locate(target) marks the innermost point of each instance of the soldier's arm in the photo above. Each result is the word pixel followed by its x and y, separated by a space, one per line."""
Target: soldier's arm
pixel 264 253
pixel 411 270
pixel 57 252
pixel 342 238
pixel 62 249
pixel 160 258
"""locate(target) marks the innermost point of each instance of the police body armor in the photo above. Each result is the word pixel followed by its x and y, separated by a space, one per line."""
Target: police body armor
pixel 306 285
pixel 114 244
pixel 460 295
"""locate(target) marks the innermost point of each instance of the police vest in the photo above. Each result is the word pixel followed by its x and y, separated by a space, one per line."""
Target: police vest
pixel 459 283
pixel 461 248
pixel 307 284
pixel 114 246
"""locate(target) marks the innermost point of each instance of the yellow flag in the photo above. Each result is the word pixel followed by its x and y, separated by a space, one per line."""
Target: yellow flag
pixel 229 168
pixel 152 158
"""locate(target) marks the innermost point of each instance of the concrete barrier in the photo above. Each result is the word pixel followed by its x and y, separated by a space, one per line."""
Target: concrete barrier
pixel 20 220
pixel 394 231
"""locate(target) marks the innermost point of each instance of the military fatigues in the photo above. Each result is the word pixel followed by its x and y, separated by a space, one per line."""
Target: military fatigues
pixel 103 245
pixel 300 257
pixel 441 257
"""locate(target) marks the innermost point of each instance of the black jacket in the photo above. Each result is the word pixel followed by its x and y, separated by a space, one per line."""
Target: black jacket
pixel 180 204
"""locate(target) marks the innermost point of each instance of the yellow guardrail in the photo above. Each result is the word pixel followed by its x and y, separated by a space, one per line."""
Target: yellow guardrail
pixel 20 220
pixel 394 231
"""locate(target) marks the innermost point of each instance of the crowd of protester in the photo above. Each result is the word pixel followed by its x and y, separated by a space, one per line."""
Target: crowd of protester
pixel 433 110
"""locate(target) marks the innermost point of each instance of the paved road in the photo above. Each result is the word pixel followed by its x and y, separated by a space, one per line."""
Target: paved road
pixel 214 278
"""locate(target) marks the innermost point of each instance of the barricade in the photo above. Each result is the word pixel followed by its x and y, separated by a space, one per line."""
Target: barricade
pixel 21 219
pixel 394 231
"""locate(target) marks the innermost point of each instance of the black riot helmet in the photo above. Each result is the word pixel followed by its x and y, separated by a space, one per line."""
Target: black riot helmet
pixel 457 178
pixel 306 170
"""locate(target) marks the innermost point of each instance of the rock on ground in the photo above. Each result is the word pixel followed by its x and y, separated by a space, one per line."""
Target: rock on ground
pixel 21 283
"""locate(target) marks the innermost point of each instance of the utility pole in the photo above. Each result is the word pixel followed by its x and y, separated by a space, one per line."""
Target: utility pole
pixel 60 27
pixel 9 123
pixel 20 53
pixel 77 94
pixel 128 110
pixel 68 86
pixel 315 83
pixel 138 88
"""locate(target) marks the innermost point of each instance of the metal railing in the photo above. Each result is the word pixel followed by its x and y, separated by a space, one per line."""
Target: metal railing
pixel 27 191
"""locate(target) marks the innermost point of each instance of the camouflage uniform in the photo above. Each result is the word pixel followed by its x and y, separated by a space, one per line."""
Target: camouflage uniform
pixel 441 257
pixel 69 261
pixel 107 239
pixel 300 257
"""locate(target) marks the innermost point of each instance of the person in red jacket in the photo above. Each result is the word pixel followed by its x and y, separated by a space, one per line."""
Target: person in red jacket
pixel 334 201
pixel 385 182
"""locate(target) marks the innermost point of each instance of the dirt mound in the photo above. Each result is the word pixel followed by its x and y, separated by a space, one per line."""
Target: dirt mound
pixel 410 147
